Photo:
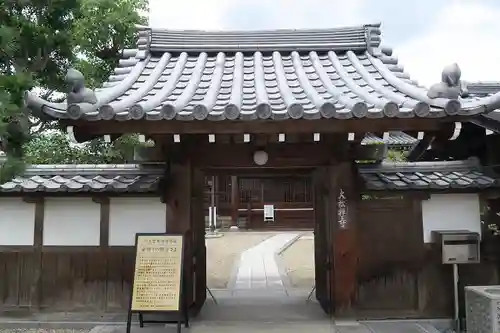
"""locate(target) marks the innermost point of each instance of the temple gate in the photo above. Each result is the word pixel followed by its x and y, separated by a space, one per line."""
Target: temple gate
pixel 287 102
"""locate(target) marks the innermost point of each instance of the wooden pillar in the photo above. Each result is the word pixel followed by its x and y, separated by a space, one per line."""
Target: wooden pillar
pixel 199 247
pixel 343 200
pixel 323 244
pixel 178 198
pixel 235 200
pixel 185 215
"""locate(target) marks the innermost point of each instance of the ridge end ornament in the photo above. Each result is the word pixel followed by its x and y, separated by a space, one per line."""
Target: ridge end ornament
pixel 77 92
pixel 450 87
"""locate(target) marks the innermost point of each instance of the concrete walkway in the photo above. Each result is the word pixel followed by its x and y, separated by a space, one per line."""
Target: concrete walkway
pixel 257 266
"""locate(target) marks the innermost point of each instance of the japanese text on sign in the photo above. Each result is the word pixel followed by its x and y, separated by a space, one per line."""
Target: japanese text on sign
pixel 342 209
pixel 157 276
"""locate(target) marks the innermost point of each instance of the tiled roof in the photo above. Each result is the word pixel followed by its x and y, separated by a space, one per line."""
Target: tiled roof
pixel 426 176
pixel 483 89
pixel 336 39
pixel 86 178
pixel 191 75
pixel 395 139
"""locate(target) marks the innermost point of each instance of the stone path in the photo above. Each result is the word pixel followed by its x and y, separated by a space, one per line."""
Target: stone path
pixel 257 266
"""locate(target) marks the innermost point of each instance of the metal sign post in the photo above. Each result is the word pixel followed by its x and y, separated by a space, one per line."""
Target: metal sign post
pixel 455 296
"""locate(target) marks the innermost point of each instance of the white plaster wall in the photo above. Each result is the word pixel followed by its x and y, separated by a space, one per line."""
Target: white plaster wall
pixel 17 222
pixel 451 212
pixel 129 216
pixel 71 222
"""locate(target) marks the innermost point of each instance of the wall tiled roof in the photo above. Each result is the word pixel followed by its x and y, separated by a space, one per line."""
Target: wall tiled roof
pixel 130 178
pixel 86 178
pixel 427 176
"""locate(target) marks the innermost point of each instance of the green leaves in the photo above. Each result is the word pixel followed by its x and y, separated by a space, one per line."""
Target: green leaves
pixel 55 148
pixel 102 29
pixel 39 40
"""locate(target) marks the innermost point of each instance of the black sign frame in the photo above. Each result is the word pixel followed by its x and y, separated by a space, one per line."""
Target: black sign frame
pixel 182 312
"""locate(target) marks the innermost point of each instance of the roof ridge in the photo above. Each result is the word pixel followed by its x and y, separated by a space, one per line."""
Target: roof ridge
pixel 235 31
pixel 422 166
pixel 91 169
pixel 354 38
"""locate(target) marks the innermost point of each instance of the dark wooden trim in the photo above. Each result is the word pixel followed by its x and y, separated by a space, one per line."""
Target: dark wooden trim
pixel 69 249
pixel 104 223
pixel 17 248
pixel 30 199
pixel 36 287
pixel 427 192
pixel 420 148
pixel 235 200
pixel 64 249
pixel 85 128
pixel 260 172
pixel 280 155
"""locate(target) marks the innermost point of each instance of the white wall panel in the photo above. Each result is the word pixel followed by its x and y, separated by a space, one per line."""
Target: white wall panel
pixel 451 212
pixel 129 216
pixel 71 222
pixel 17 222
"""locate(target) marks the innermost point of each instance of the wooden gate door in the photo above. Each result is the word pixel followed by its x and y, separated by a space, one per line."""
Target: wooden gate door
pixel 323 243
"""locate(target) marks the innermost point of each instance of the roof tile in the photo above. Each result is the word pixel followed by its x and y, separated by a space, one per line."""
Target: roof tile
pixel 85 178
pixel 426 175
pixel 193 75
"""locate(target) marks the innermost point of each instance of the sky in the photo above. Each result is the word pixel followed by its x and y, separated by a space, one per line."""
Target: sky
pixel 425 35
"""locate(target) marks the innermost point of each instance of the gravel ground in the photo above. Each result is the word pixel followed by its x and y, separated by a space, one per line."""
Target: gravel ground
pixel 223 253
pixel 298 262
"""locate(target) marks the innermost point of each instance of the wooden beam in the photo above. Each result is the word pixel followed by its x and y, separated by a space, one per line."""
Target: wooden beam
pixel 418 151
pixel 86 129
pixel 241 156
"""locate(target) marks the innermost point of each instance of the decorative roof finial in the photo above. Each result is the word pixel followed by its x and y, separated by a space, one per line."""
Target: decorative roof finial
pixel 450 86
pixel 78 93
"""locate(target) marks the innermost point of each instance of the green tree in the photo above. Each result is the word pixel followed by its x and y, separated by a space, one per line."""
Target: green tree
pixel 104 28
pixel 395 155
pixel 55 148
pixel 35 47
pixel 39 40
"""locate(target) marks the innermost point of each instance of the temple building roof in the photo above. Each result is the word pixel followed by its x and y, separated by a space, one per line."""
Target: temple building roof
pixel 395 139
pixel 299 74
pixel 137 179
pixel 484 88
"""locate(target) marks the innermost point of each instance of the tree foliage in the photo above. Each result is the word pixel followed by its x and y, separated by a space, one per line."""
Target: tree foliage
pixel 395 155
pixel 104 28
pixel 55 148
pixel 39 40
pixel 35 47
